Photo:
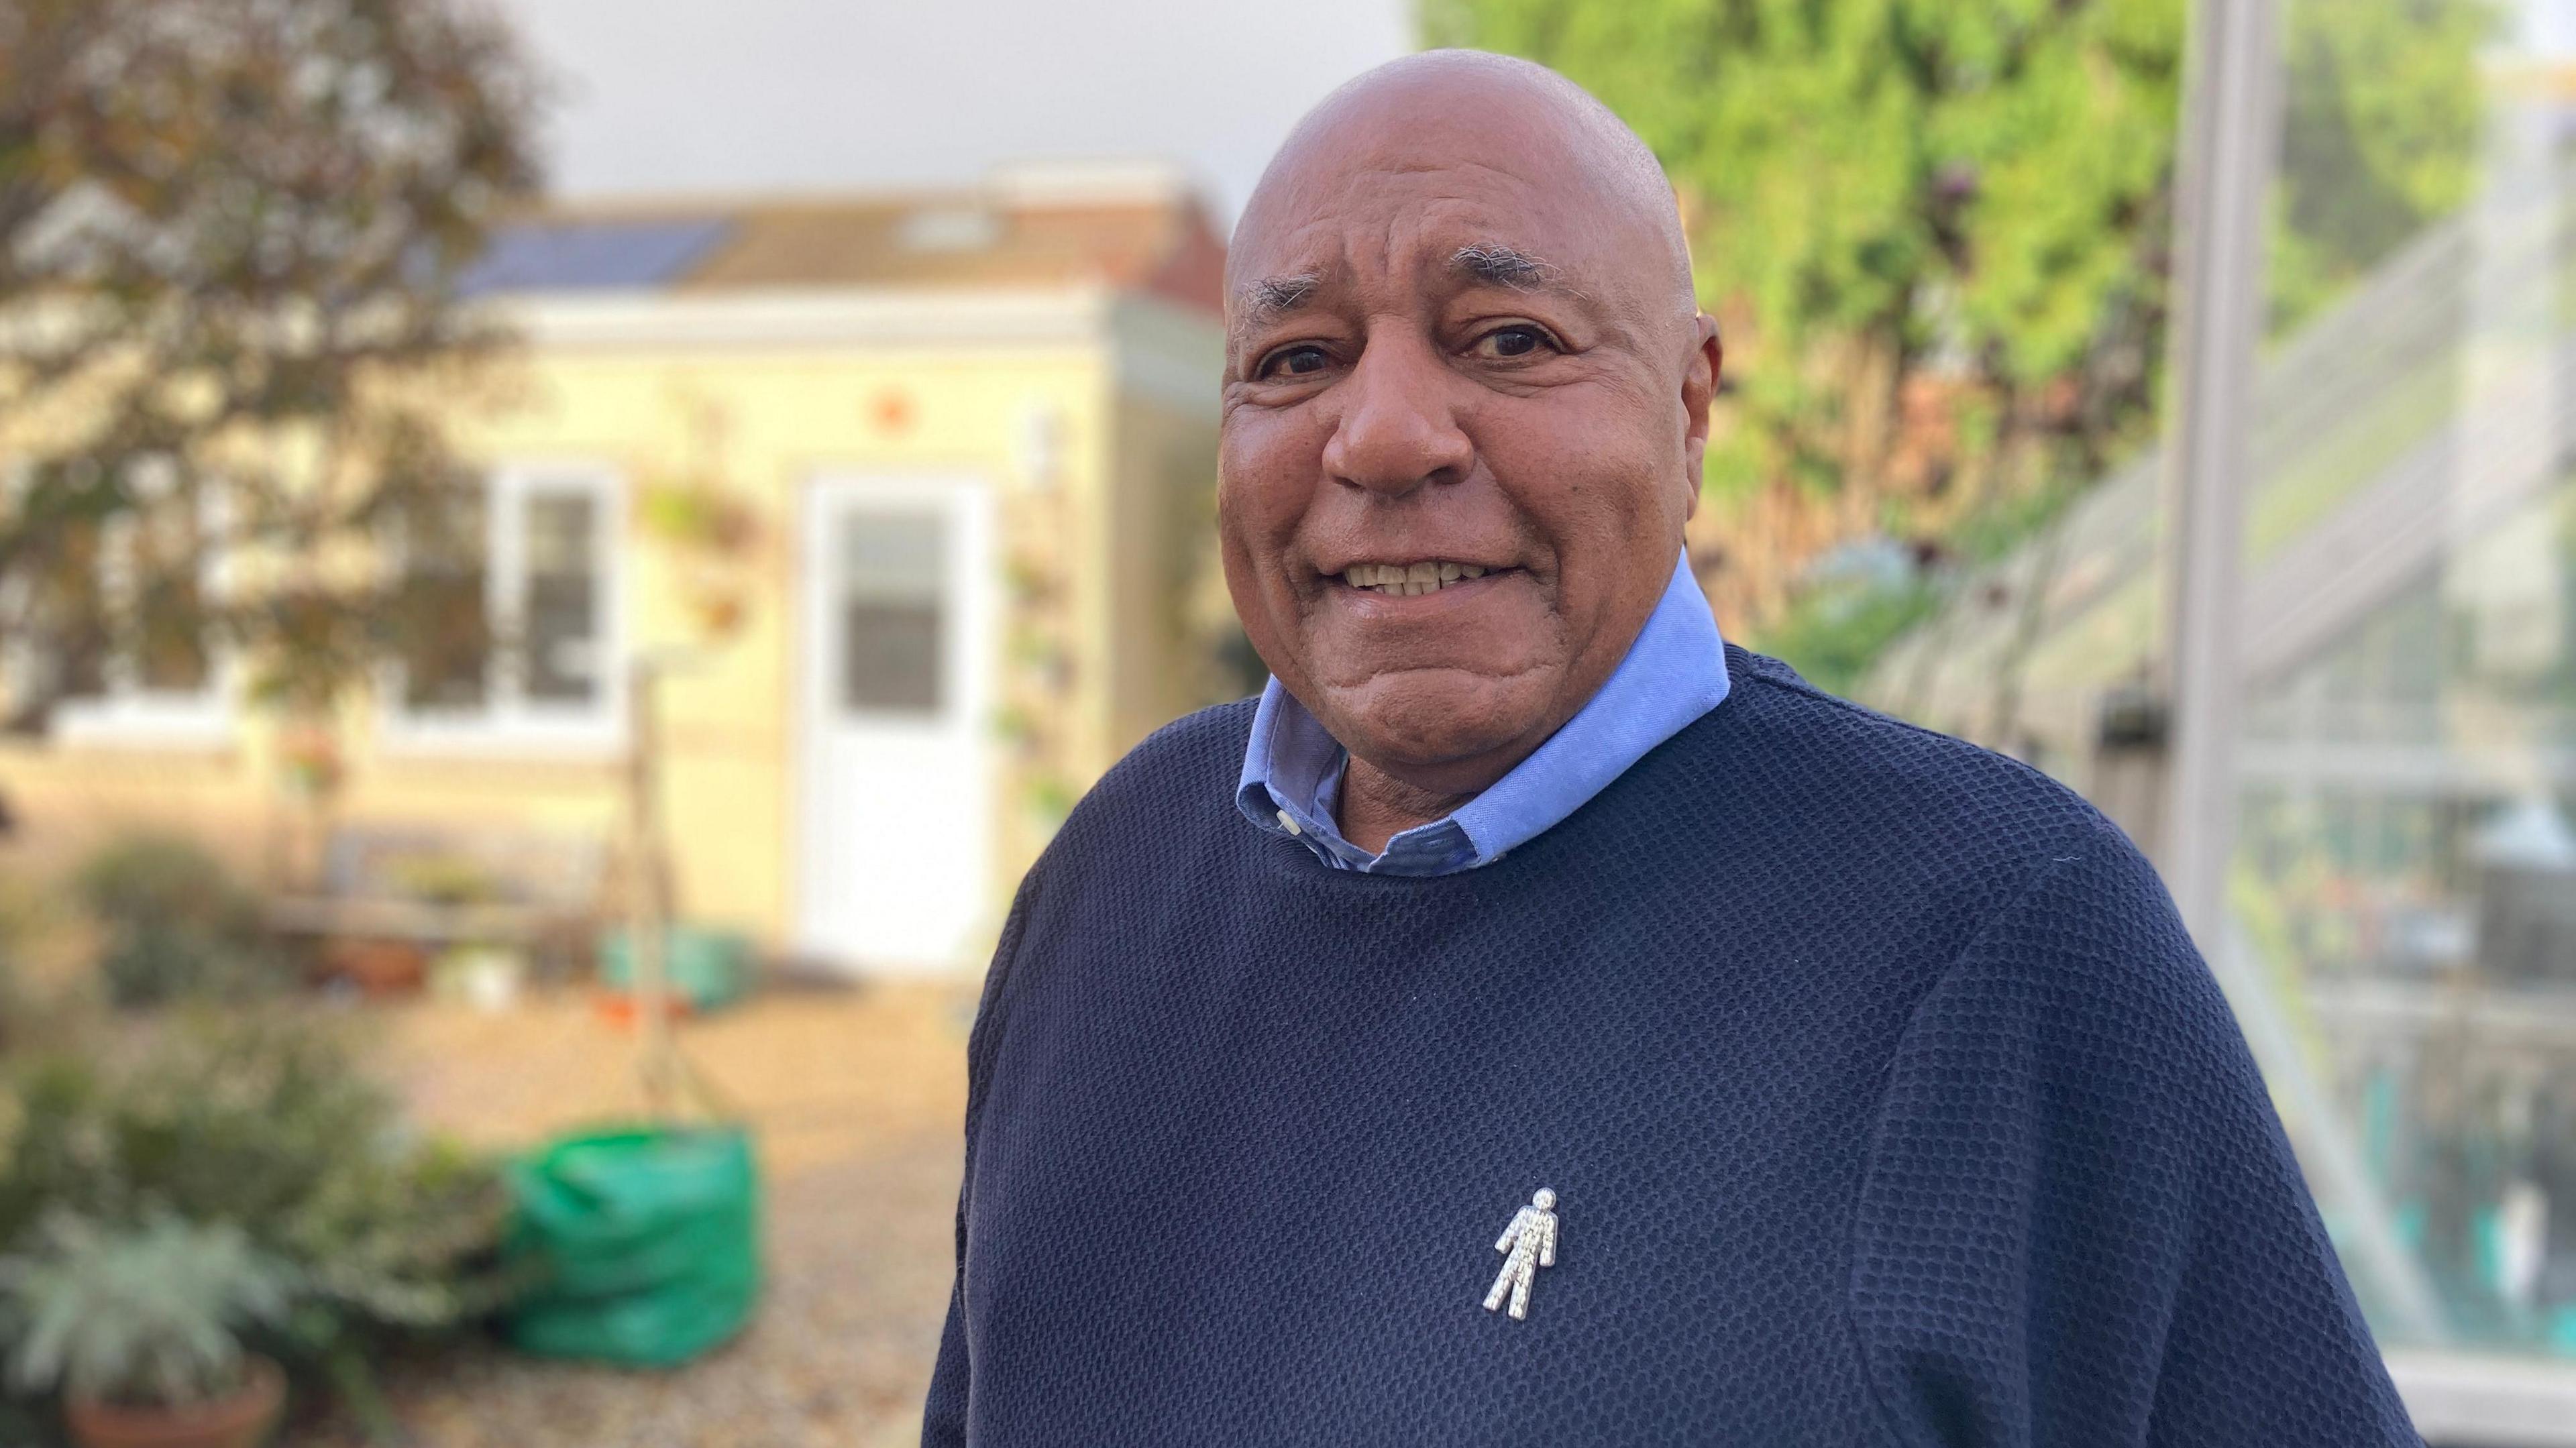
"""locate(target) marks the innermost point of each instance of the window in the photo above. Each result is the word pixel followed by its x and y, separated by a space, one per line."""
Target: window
pixel 130 654
pixel 510 624
pixel 446 625
pixel 893 583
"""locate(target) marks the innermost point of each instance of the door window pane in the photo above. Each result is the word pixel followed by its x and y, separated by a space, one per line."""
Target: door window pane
pixel 892 594
pixel 563 598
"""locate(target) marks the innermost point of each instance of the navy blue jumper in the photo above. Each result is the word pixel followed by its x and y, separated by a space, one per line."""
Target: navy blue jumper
pixel 1884 1097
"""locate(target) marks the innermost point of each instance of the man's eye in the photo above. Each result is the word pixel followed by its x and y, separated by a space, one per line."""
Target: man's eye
pixel 1295 362
pixel 1513 341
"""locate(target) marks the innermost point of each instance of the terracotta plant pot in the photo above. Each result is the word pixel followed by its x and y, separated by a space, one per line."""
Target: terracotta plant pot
pixel 243 1420
pixel 624 1011
pixel 378 968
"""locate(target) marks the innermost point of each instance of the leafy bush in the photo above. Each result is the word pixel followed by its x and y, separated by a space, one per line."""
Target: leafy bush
pixel 262 1121
pixel 176 923
pixel 1832 637
pixel 146 1316
pixel 26 919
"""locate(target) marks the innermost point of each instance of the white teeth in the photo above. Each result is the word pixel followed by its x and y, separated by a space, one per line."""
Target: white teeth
pixel 1406 580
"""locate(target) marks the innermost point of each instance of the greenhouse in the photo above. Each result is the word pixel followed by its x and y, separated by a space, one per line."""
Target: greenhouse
pixel 2400 933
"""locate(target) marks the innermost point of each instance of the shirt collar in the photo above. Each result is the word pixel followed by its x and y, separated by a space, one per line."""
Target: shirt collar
pixel 1671 675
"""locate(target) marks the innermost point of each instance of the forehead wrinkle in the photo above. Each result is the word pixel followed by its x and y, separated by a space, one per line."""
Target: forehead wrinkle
pixel 1443 237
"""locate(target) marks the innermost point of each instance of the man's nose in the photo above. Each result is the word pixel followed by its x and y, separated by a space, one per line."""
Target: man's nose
pixel 1397 430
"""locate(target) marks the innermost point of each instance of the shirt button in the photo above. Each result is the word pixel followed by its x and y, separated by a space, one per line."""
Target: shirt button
pixel 1288 822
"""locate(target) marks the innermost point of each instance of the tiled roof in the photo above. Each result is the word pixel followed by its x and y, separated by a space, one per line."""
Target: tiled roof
pixel 1154 239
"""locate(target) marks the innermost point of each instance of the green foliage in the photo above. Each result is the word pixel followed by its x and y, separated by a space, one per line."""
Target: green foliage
pixel 150 964
pixel 148 1315
pixel 262 1122
pixel 2381 121
pixel 175 924
pixel 27 917
pixel 1976 188
pixel 1836 628
pixel 1831 636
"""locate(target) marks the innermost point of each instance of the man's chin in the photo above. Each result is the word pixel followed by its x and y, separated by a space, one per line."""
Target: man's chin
pixel 1418 725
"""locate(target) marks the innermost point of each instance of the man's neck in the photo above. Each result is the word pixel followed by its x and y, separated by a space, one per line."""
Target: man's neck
pixel 1376 806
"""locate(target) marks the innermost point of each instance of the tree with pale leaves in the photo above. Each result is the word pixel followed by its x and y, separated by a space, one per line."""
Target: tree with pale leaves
pixel 232 237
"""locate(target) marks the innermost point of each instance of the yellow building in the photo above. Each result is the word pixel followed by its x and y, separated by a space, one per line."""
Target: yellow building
pixel 910 496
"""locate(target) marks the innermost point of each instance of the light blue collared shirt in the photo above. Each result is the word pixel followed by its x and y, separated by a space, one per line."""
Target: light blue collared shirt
pixel 1673 673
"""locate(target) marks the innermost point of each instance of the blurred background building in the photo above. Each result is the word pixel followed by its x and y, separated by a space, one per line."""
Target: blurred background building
pixel 905 494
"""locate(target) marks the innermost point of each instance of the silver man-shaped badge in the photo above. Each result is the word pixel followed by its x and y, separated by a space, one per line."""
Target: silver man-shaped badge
pixel 1528 1244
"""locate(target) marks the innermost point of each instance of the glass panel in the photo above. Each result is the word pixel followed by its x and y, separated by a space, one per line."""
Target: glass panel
pixel 563 624
pixel 2401 938
pixel 2405 874
pixel 892 606
pixel 2408 855
pixel 446 647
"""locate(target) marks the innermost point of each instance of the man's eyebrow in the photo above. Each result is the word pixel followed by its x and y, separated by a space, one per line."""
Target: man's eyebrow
pixel 1267 298
pixel 1489 262
pixel 1500 266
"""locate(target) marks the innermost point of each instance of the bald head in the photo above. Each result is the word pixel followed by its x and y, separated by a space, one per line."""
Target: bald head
pixel 1470 108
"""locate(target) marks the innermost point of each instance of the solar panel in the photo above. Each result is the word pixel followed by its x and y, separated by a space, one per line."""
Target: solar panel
pixel 591 255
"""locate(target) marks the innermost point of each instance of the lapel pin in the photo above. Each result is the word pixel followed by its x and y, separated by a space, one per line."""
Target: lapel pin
pixel 1528 1244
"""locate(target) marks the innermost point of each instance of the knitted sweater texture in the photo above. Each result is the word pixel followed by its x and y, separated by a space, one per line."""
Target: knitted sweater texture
pixel 1883 1094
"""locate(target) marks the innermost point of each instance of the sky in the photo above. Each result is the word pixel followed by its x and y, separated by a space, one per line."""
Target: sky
pixel 759 96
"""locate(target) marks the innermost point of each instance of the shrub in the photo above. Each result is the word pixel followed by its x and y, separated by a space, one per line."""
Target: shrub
pixel 263 1122
pixel 143 1316
pixel 176 924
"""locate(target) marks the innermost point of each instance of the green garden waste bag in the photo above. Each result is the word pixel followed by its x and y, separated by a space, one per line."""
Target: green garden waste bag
pixel 644 1244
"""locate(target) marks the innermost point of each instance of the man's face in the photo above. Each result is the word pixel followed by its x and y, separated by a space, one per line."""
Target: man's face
pixel 1446 354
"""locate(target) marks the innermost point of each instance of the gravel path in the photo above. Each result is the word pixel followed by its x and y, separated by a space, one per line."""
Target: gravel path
pixel 856 1099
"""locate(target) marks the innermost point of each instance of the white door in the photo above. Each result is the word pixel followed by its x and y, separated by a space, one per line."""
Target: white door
pixel 895 810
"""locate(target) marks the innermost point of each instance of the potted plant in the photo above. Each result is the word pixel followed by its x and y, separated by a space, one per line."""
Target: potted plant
pixel 139 1328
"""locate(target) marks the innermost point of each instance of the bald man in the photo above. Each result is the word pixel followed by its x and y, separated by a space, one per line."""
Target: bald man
pixel 1828 1081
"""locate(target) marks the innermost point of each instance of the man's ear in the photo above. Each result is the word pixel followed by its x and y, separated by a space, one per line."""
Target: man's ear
pixel 1699 389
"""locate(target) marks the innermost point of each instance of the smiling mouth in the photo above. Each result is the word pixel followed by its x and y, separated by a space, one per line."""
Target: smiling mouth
pixel 1404 580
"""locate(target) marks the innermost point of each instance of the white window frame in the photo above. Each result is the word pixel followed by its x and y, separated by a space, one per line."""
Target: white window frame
pixel 129 714
pixel 508 721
